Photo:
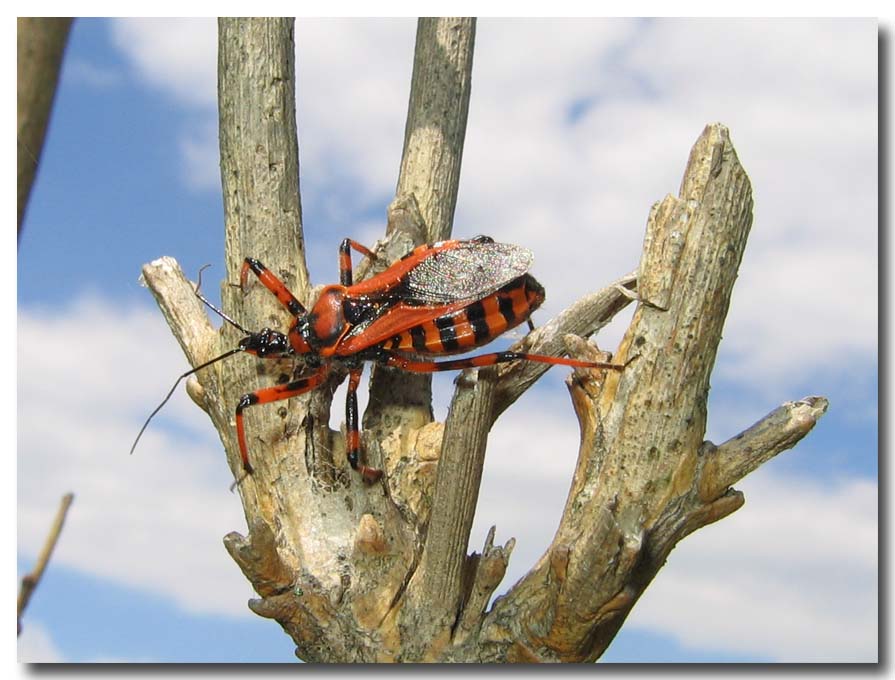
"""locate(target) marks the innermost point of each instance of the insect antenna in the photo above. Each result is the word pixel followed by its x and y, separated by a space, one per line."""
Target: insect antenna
pixel 171 391
pixel 211 306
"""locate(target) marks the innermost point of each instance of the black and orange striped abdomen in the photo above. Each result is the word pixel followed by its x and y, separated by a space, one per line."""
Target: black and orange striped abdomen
pixel 474 325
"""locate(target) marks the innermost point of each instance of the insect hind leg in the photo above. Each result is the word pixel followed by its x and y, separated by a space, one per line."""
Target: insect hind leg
pixel 346 273
pixel 396 360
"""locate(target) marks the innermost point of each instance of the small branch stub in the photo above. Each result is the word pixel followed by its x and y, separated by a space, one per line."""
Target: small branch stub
pixel 778 431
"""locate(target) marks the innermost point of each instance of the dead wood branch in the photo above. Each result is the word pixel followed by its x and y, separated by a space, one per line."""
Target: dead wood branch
pixel 380 573
pixel 40 45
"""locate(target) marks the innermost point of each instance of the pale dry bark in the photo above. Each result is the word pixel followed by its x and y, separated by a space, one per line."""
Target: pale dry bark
pixel 381 573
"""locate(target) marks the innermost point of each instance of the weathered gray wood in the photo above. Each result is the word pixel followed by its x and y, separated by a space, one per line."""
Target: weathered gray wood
pixel 639 484
pixel 429 179
pixel 436 120
pixel 262 214
pixel 40 44
pixel 435 590
pixel 380 573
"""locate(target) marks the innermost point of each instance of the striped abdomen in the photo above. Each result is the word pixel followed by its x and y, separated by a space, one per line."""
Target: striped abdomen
pixel 476 324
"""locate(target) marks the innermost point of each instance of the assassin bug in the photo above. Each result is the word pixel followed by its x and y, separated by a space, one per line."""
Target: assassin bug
pixel 440 299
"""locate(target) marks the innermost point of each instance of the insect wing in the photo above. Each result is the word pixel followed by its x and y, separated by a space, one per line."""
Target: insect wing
pixel 468 272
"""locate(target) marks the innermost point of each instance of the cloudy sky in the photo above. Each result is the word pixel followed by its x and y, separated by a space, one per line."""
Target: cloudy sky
pixel 576 127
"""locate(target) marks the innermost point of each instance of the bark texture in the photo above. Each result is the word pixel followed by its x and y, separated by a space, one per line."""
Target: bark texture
pixel 381 573
pixel 40 44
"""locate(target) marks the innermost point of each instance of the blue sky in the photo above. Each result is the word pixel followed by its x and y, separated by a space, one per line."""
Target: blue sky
pixel 575 129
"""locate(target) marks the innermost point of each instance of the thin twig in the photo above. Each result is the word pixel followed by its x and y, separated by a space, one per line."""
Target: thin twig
pixel 30 581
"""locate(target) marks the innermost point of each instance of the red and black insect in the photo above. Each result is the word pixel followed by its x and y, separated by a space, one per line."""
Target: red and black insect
pixel 440 299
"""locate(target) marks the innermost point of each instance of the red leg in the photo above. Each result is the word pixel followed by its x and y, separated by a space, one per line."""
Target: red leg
pixel 346 276
pixel 408 364
pixel 267 395
pixel 352 432
pixel 273 284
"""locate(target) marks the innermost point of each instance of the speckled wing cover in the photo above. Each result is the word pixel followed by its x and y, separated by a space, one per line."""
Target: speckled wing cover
pixel 468 272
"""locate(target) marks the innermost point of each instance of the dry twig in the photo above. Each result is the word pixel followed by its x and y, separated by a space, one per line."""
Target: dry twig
pixel 30 581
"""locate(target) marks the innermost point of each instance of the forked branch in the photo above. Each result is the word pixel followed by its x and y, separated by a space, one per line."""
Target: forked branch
pixel 644 477
pixel 380 573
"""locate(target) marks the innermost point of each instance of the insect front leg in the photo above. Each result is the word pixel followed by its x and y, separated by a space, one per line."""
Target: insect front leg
pixel 267 395
pixel 273 284
pixel 352 431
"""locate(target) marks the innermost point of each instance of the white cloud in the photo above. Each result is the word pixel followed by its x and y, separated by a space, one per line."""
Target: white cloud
pixel 153 520
pixel 353 84
pixel 175 56
pixel 579 194
pixel 201 157
pixel 793 315
pixel 806 131
pixel 351 118
pixel 791 576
